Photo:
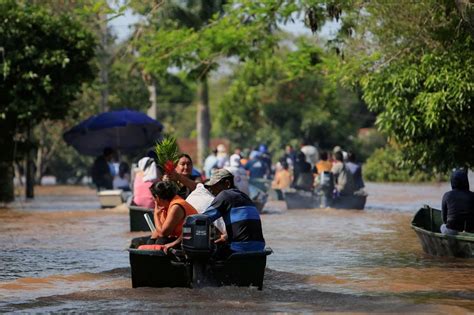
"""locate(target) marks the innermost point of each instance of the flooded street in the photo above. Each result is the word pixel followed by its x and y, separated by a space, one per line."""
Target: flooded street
pixel 62 253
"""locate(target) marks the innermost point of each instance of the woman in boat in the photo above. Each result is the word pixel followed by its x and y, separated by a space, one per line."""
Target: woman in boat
pixel 457 205
pixel 183 176
pixel 169 214
pixel 344 181
pixel 146 175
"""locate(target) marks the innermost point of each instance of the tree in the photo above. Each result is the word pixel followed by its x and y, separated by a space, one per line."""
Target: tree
pixel 171 19
pixel 46 60
pixel 415 65
pixel 288 98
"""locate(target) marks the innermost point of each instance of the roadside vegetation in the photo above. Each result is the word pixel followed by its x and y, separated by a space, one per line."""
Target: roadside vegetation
pixel 402 69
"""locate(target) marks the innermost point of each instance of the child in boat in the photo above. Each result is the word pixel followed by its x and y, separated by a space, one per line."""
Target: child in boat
pixel 457 205
pixel 169 214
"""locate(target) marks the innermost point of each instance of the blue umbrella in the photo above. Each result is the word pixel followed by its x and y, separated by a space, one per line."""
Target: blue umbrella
pixel 124 130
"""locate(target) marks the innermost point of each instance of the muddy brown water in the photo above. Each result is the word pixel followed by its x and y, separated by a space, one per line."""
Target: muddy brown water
pixel 61 253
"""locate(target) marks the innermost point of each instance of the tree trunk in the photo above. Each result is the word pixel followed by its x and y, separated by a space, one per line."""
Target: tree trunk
pixel 39 161
pixel 6 182
pixel 203 121
pixel 151 86
pixel 30 176
pixel 7 189
pixel 104 64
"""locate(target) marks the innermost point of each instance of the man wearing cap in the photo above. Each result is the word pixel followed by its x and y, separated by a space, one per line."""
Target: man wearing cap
pixel 241 217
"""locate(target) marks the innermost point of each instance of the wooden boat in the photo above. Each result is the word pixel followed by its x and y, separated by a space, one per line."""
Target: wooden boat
pixel 154 268
pixel 427 222
pixel 137 220
pixel 299 199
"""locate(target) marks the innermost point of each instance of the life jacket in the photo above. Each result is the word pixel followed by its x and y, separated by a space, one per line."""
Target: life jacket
pixel 189 210
pixel 151 247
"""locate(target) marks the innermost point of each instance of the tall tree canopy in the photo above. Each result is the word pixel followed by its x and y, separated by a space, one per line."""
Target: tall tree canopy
pixel 414 61
pixel 288 98
pixel 46 60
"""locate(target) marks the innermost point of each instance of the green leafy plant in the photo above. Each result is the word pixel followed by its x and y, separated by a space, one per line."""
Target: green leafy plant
pixel 167 152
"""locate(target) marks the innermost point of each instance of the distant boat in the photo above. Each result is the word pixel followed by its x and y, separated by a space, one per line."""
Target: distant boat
pixel 427 222
pixel 309 200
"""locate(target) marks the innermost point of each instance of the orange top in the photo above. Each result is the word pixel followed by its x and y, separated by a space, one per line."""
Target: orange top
pixel 282 179
pixel 323 166
pixel 189 210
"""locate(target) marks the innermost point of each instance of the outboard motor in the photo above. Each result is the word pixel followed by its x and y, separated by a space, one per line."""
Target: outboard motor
pixel 198 246
pixel 326 182
pixel 198 236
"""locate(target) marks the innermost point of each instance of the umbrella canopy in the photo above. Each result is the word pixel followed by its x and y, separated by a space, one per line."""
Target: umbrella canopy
pixel 124 130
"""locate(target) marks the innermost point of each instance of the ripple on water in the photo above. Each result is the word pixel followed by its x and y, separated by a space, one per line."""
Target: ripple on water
pixel 56 259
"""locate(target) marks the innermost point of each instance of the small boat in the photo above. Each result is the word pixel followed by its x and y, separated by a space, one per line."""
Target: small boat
pixel 427 222
pixel 193 266
pixel 299 199
pixel 137 219
pixel 110 198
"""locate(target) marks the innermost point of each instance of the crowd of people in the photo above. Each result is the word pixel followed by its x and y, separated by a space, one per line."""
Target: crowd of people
pixel 302 170
pixel 221 191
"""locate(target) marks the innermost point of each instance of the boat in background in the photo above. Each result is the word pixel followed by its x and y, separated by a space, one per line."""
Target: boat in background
pixel 299 199
pixel 110 198
pixel 427 222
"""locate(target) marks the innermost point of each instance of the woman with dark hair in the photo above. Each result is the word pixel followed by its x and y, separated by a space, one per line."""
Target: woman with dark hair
pixel 169 214
pixel 183 175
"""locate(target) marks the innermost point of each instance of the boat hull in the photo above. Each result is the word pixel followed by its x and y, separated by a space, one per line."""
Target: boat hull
pixel 426 223
pixel 137 220
pixel 154 268
pixel 308 200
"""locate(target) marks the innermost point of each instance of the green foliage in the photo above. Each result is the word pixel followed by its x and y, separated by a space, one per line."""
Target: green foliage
pixel 287 98
pixel 387 165
pixel 365 144
pixel 426 105
pixel 414 63
pixel 45 62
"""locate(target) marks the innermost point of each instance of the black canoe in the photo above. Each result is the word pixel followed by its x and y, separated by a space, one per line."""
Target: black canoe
pixel 154 268
pixel 137 220
pixel 308 200
pixel 427 222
